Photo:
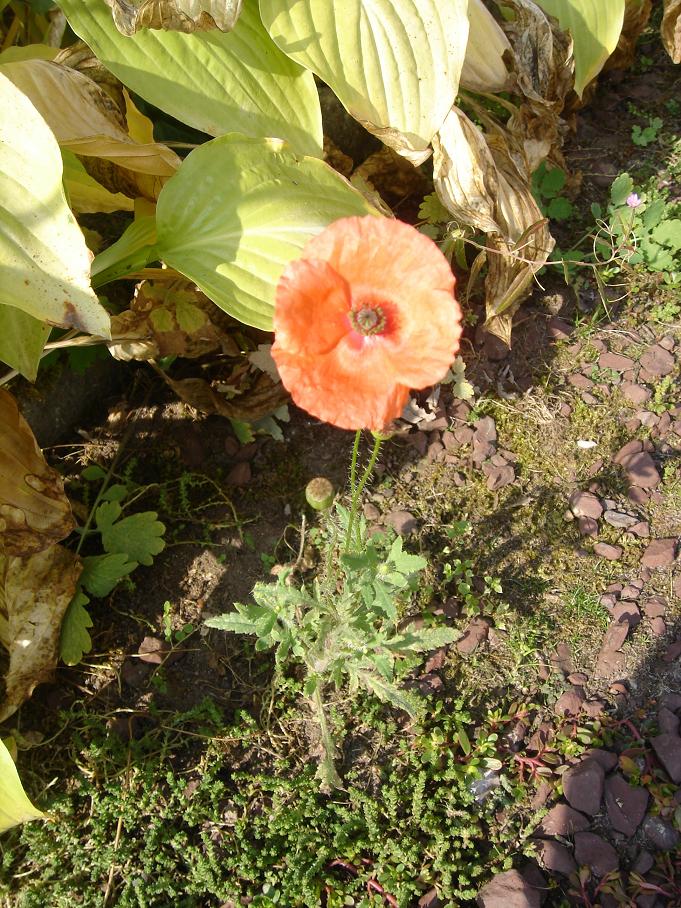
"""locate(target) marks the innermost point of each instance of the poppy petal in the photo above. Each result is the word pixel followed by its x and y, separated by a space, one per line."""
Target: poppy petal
pixel 312 305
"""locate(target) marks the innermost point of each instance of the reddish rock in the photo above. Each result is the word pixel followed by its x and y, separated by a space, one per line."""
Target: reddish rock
pixel 615 361
pixel 463 434
pixel 667 721
pixel 658 627
pixel 660 833
pixel 594 852
pixel 638 496
pixel 660 553
pixel 626 805
pixel 673 651
pixel 240 474
pixel 644 861
pixel 641 470
pixel 577 380
pixel 587 526
pixel 570 703
pixel 631 447
pixel 555 857
pixel 402 522
pixel 593 708
pixel 578 678
pixel 607 551
pixel 668 750
pixel 499 476
pixel 620 520
pixel 640 529
pixel 485 429
pixel 561 820
pixel 583 786
pixel 655 607
pixel 657 361
pixel 153 650
pixel 631 591
pixel 606 758
pixel 635 394
pixel 559 329
pixel 585 504
pixel 508 890
pixel 475 634
pixel 627 611
pixel 430 899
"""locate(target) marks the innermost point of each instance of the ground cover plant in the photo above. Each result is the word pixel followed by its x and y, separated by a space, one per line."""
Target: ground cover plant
pixel 461 679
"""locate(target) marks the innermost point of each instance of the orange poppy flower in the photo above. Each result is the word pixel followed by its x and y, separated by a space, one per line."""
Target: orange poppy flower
pixel 367 313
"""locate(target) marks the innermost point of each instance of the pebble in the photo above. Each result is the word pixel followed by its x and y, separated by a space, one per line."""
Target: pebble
pixel 660 553
pixel 627 611
pixel 658 627
pixel 638 496
pixel 626 804
pixel 635 394
pixel 657 361
pixel 475 634
pixel 631 447
pixel 615 361
pixel 585 504
pixel 667 721
pixel 644 861
pixel 583 786
pixel 668 750
pixel 661 834
pixel 594 852
pixel 641 470
pixel 631 591
pixel 610 552
pixel 620 520
pixel 240 474
pixel 403 522
pixel 640 529
pixel 570 703
pixel 562 820
pixel 508 890
pixel 577 380
pixel 587 526
pixel 555 857
pixel 655 607
pixel 559 329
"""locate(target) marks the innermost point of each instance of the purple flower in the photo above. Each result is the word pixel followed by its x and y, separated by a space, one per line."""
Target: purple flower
pixel 633 200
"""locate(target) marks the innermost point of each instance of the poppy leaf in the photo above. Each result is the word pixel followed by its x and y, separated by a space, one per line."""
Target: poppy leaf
pixel 43 256
pixel 395 67
pixel 238 210
pixel 214 81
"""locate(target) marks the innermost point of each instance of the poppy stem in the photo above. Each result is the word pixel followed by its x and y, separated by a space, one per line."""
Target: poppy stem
pixel 358 488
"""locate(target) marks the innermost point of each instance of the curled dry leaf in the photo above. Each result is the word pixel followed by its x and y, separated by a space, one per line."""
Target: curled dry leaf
pixel 484 68
pixel 671 29
pixel 79 56
pixel 34 595
pixel 175 15
pixel 636 16
pixel 85 120
pixel 34 511
pixel 170 318
pixel 251 400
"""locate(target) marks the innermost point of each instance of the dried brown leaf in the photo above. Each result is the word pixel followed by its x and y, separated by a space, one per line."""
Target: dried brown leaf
pixel 170 318
pixel 262 398
pixel 636 16
pixel 34 595
pixel 89 123
pixel 175 15
pixel 671 29
pixel 34 511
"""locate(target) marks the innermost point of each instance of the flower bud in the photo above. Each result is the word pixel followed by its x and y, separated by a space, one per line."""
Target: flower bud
pixel 319 493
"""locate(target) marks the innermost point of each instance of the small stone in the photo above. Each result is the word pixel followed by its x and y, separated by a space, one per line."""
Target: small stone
pixel 561 658
pixel 570 703
pixel 555 857
pixel 607 551
pixel 657 361
pixel 475 634
pixel 153 650
pixel 661 834
pixel 589 399
pixel 593 708
pixel 371 512
pixel 577 380
pixel 615 361
pixel 631 591
pixel 594 852
pixel 672 702
pixel 644 861
pixel 606 758
pixel 558 329
pixel 485 429
pixel 587 526
pixel 658 627
pixel 641 470
pixel 641 529
pixel 668 750
pixel 660 553
pixel 240 474
pixel 499 476
pixel 585 504
pixel 619 520
pixel 626 805
pixel 430 899
pixel 402 522
pixel 561 820
pixel 508 890
pixel 648 419
pixel 635 394
pixel 667 342
pixel 463 434
pixel 667 721
pixel 583 786
pixel 631 447
pixel 655 607
pixel 578 678
pixel 608 601
pixel 627 611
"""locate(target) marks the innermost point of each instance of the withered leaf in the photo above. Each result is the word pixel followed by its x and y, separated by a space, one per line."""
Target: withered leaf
pixel 168 318
pixel 175 15
pixel 34 511
pixel 34 595
pixel 262 398
pixel 636 16
pixel 671 29
pixel 89 123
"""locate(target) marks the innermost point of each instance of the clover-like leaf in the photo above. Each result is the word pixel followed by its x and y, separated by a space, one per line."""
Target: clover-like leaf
pixel 102 573
pixel 139 536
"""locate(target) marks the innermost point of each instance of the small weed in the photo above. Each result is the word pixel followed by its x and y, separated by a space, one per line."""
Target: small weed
pixel 648 134
pixel 547 185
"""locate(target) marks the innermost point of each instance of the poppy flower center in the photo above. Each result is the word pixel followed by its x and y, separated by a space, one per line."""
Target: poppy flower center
pixel 368 320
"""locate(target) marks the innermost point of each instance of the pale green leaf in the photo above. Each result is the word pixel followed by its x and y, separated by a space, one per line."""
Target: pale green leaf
pixel 215 81
pixel 669 233
pixel 75 639
pixel 139 536
pixel 394 66
pixel 22 338
pixel 234 622
pixel 44 260
pixel 85 194
pixel 595 26
pixel 391 693
pixel 15 806
pixel 238 210
pixel 28 52
pixel 102 573
pixel 107 514
pixel 131 252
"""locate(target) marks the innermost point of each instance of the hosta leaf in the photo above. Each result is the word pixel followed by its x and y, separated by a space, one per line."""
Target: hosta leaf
pixel 671 29
pixel 131 251
pixel 175 15
pixel 483 66
pixel 22 338
pixel 34 511
pixel 75 639
pixel 216 82
pixel 36 592
pixel 102 573
pixel 394 66
pixel 15 807
pixel 43 257
pixel 238 210
pixel 139 536
pixel 85 194
pixel 595 26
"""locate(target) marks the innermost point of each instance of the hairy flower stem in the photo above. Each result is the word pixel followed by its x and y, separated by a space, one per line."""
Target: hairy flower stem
pixel 327 770
pixel 357 488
